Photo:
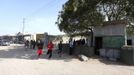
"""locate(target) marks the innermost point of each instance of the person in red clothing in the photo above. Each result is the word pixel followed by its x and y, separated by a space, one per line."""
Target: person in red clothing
pixel 40 47
pixel 50 49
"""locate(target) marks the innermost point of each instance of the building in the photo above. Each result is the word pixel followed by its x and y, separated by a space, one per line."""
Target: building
pixel 111 35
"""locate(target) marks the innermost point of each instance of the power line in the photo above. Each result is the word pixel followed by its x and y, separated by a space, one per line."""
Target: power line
pixel 49 4
pixel 35 12
pixel 42 8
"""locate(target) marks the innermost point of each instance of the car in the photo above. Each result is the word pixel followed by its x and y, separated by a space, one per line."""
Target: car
pixel 4 43
pixel 1 43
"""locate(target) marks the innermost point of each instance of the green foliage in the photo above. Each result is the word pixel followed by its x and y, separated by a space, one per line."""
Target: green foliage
pixel 80 15
pixel 130 30
pixel 117 9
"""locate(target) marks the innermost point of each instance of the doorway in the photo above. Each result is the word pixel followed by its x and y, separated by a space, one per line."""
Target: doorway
pixel 129 42
pixel 98 44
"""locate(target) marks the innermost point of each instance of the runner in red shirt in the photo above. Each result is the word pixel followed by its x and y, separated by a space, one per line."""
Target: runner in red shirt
pixel 40 47
pixel 50 49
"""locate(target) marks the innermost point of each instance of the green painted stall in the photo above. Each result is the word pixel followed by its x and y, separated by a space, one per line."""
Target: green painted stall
pixel 113 41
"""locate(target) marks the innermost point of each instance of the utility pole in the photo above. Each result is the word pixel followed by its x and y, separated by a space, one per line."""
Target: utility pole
pixel 23 29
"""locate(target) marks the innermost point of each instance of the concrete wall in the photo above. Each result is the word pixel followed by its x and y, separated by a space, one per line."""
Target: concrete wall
pixel 109 30
pixel 113 41
pixel 82 49
pixel 127 55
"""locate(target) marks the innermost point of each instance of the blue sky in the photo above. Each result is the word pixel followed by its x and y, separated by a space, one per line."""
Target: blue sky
pixel 40 16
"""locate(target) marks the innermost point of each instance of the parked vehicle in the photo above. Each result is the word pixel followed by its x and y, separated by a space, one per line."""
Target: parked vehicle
pixel 4 43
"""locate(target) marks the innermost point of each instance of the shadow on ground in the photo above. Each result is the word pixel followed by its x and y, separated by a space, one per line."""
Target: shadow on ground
pixel 106 61
pixel 19 52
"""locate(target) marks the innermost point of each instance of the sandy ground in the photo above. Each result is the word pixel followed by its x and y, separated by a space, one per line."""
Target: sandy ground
pixel 14 60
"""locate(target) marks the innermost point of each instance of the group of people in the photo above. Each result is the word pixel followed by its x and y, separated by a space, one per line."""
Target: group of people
pixel 40 46
pixel 30 44
pixel 80 42
pixel 74 43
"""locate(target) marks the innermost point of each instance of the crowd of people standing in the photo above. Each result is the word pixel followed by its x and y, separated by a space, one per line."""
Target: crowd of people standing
pixel 30 44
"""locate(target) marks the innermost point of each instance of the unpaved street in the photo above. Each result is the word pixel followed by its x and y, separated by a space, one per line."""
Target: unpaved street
pixel 14 60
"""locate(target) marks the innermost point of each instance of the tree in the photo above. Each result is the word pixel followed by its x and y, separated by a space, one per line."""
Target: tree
pixel 78 16
pixel 83 15
pixel 130 30
pixel 118 10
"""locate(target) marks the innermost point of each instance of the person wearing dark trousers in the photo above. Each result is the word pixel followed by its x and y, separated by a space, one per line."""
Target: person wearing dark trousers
pixel 26 45
pixel 34 44
pixel 50 49
pixel 71 47
pixel 71 50
pixel 60 48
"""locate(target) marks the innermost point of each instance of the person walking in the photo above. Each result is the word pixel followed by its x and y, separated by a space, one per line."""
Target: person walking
pixel 34 44
pixel 31 44
pixel 40 47
pixel 50 49
pixel 71 47
pixel 60 48
pixel 26 45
